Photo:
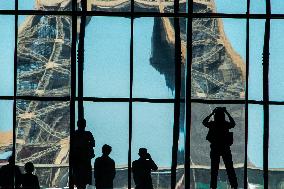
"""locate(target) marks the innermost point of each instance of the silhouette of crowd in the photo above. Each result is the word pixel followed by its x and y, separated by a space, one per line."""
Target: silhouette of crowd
pixel 104 167
pixel 83 151
pixel 11 176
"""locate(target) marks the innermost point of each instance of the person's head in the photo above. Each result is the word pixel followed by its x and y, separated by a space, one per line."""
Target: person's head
pixel 11 159
pixel 29 167
pixel 219 114
pixel 143 153
pixel 81 123
pixel 106 149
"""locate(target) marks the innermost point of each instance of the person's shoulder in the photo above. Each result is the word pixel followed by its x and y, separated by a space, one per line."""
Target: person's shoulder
pixel 98 159
pixel 89 133
pixel 135 162
pixel 110 160
pixel 227 122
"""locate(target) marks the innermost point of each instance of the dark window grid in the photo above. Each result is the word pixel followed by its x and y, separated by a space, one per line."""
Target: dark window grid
pixel 142 14
pixel 147 100
pixel 190 15
pixel 246 96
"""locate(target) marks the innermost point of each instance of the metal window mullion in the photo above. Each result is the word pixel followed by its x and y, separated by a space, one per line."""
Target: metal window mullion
pixel 246 97
pixel 81 60
pixel 15 88
pixel 73 91
pixel 177 95
pixel 130 94
pixel 188 95
pixel 266 94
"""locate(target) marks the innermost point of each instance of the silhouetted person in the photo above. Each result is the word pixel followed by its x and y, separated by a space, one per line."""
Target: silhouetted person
pixel 142 168
pixel 83 152
pixel 221 140
pixel 104 169
pixel 8 173
pixel 30 181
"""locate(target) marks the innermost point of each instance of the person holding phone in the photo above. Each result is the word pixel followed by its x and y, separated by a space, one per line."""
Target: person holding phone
pixel 142 168
pixel 220 141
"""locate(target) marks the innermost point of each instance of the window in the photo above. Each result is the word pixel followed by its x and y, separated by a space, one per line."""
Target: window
pixel 142 74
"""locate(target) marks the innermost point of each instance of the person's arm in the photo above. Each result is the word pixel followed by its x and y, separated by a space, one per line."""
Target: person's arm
pixel 154 167
pixel 232 122
pixel 95 168
pixel 206 122
pixel 92 140
pixel 113 170
pixel 37 183
pixel 134 172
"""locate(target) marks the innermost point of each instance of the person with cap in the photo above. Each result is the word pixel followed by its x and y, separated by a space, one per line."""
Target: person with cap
pixel 142 168
pixel 104 169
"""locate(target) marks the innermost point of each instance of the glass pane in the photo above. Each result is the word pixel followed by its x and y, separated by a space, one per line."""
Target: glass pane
pixel 276 143
pixel 7 33
pixel 200 147
pixel 153 129
pixel 218 68
pixel 166 6
pixel 42 137
pixel 258 6
pixel 276 81
pixel 7 4
pixel 256 40
pixel 109 6
pixel 231 6
pixel 181 149
pixel 111 130
pixel 220 6
pixel 6 131
pixel 277 7
pixel 46 5
pixel 154 62
pixel 44 49
pixel 106 69
pixel 255 146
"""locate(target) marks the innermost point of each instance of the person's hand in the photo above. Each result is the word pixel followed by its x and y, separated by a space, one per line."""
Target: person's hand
pixel 149 156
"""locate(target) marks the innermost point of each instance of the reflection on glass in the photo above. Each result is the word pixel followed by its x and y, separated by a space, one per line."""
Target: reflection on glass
pixel 220 6
pixel 157 6
pixel 44 49
pixel 106 69
pixel 109 6
pixel 7 5
pixel 200 147
pixel 42 137
pixel 276 143
pixel 7 33
pixel 255 146
pixel 153 129
pixel 108 123
pixel 45 5
pixel 218 68
pixel 276 81
pixel 6 130
pixel 154 69
pixel 256 37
